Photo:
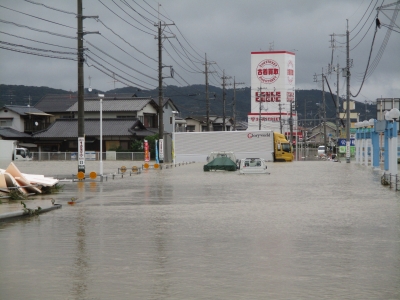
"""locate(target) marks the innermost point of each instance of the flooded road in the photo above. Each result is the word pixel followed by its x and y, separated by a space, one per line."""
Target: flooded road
pixel 309 230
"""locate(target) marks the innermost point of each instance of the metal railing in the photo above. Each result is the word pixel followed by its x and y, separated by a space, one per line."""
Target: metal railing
pixel 89 155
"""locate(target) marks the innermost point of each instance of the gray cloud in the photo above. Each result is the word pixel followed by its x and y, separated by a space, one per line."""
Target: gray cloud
pixel 228 31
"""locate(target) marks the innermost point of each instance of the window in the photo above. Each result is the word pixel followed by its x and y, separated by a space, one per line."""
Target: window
pixel 190 128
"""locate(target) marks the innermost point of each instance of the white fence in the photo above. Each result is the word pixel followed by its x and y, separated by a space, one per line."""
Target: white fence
pixel 89 155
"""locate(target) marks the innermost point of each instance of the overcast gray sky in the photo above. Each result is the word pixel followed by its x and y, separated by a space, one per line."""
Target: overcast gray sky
pixel 227 30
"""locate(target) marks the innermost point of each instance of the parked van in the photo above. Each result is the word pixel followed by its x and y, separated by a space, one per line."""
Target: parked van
pixel 321 150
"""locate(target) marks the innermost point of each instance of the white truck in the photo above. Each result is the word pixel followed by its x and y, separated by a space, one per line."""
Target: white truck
pixel 9 151
pixel 196 146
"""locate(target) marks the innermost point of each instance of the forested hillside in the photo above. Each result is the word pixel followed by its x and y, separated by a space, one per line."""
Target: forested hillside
pixel 191 100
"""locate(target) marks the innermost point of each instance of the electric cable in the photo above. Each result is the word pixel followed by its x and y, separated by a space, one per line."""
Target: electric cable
pixel 116 74
pixel 37 54
pixel 39 30
pixel 124 19
pixel 121 70
pixel 49 7
pixel 151 29
pixel 20 37
pixel 145 18
pixel 38 49
pixel 97 19
pixel 37 17
pixel 133 69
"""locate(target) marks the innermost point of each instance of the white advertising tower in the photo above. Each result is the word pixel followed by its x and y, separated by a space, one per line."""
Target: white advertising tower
pixel 272 91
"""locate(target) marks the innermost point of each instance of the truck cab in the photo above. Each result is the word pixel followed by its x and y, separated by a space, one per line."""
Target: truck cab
pixel 22 154
pixel 282 149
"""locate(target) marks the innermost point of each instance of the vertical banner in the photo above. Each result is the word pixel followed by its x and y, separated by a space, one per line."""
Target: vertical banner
pixel 146 151
pixel 81 154
pixel 156 146
pixel 161 150
pixel 173 151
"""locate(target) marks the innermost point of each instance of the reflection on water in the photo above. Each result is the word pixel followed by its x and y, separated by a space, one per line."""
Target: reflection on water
pixel 310 230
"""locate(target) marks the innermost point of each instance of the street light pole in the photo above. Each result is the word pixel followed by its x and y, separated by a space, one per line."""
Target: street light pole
pixel 101 96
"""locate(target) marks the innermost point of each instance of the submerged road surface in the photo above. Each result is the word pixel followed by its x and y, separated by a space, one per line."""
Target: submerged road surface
pixel 309 230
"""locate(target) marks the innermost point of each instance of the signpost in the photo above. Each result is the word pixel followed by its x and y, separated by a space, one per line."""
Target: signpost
pixel 81 154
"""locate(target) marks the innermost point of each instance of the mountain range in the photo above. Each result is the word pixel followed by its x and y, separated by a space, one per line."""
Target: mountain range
pixel 191 100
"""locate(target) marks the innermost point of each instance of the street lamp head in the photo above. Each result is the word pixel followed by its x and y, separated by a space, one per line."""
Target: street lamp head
pixel 174 112
pixel 365 123
pixel 371 122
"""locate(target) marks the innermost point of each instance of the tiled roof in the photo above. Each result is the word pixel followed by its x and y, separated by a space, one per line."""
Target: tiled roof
pixel 114 105
pixel 68 128
pixel 22 110
pixel 8 132
pixel 56 103
pixel 118 102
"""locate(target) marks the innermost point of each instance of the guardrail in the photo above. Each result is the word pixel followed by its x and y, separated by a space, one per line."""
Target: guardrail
pixel 89 155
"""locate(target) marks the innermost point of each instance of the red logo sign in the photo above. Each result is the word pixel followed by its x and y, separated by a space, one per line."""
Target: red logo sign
pixel 268 71
pixel 268 97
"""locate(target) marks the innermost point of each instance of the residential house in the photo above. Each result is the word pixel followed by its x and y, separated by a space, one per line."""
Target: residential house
pixel 117 133
pixel 316 134
pixel 168 108
pixel 25 119
pixel 199 123
pixel 125 118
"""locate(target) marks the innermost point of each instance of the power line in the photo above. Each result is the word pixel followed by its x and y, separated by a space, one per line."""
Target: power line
pixel 120 69
pixel 125 40
pixel 20 37
pixel 120 61
pixel 39 30
pixel 37 54
pixel 36 17
pixel 38 49
pixel 49 7
pixel 150 33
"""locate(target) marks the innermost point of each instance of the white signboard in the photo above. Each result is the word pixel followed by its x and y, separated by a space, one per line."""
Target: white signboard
pixel 81 153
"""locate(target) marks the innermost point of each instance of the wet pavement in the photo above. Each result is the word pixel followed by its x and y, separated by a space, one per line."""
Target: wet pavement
pixel 309 230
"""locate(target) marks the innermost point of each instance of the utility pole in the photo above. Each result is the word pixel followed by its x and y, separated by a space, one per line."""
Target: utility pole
pixel 234 101
pixel 261 98
pixel 280 116
pixel 207 95
pixel 337 110
pixel 333 46
pixel 323 104
pixel 224 98
pixel 347 94
pixel 81 106
pixel 160 89
pixel 160 80
pixel 291 123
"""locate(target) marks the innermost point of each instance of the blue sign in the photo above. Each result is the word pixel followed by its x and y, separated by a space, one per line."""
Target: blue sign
pixel 342 142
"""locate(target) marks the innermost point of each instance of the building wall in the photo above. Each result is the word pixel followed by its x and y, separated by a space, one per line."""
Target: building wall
pixel 17 122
